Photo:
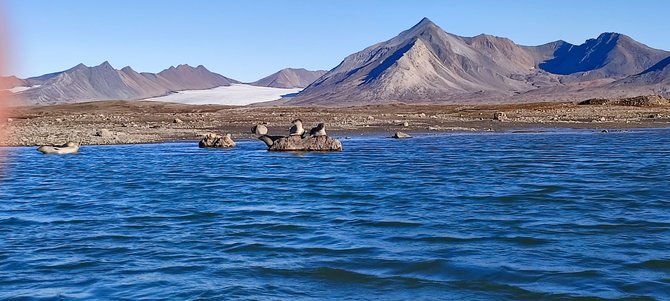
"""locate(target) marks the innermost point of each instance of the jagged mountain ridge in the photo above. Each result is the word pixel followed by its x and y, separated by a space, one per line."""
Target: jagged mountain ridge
pixel 103 82
pixel 427 64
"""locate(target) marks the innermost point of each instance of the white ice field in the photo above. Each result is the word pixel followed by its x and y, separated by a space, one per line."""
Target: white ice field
pixel 236 94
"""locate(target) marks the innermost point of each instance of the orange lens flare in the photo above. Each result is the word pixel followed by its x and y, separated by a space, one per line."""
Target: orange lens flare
pixel 5 96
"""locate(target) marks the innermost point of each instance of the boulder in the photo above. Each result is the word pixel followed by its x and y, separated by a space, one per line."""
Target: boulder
pixel 500 116
pixel 104 133
pixel 401 135
pixel 297 143
pixel 259 129
pixel 212 140
pixel 177 120
pixel 67 148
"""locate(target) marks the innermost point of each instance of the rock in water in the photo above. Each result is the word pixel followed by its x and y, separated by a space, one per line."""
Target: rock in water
pixel 312 144
pixel 401 135
pixel 259 130
pixel 67 148
pixel 212 140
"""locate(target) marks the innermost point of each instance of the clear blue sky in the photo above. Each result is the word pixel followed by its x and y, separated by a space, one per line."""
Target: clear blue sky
pixel 247 40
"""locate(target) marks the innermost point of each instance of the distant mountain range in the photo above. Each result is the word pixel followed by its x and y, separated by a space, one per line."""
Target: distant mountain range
pixel 103 82
pixel 423 64
pixel 426 64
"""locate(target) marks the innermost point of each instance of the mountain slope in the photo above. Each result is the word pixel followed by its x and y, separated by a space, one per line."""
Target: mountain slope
pixel 654 80
pixel 103 82
pixel 609 55
pixel 185 77
pixel 8 82
pixel 426 64
pixel 422 64
pixel 290 78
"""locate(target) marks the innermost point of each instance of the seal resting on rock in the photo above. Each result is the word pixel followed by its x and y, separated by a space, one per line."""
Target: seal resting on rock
pixel 400 135
pixel 213 140
pixel 297 140
pixel 67 148
pixel 296 129
pixel 259 129
pixel 319 130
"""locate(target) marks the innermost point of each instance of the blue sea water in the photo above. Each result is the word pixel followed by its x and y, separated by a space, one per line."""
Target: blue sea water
pixel 515 216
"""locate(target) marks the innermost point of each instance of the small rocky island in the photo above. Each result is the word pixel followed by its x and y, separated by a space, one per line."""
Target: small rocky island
pixel 298 139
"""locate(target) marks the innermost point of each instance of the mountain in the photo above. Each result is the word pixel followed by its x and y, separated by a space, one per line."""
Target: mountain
pixel 427 64
pixel 103 82
pixel 421 64
pixel 185 77
pixel 290 78
pixel 609 55
pixel 8 82
pixel 654 80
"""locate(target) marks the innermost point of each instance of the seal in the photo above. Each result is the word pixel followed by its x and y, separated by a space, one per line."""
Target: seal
pixel 296 129
pixel 319 130
pixel 67 148
pixel 259 130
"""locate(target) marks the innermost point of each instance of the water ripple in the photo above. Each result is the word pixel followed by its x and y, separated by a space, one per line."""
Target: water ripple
pixel 533 216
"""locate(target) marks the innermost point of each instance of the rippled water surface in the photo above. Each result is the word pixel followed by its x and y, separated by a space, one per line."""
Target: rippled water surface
pixel 457 217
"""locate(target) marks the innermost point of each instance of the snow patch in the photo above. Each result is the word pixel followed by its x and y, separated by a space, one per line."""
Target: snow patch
pixel 21 88
pixel 235 94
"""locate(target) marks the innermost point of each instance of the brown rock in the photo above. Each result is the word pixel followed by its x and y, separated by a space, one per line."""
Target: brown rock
pixel 500 116
pixel 212 140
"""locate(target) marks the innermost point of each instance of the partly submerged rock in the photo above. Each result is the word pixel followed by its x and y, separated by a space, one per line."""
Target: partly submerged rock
pixel 401 135
pixel 67 148
pixel 212 140
pixel 297 143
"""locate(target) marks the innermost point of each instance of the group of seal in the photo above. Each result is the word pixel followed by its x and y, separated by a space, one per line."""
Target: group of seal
pixel 213 140
pixel 296 129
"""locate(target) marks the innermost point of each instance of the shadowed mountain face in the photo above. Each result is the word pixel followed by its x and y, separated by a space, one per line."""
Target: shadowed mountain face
pixel 290 78
pixel 611 55
pixel 103 82
pixel 427 64
pixel 655 79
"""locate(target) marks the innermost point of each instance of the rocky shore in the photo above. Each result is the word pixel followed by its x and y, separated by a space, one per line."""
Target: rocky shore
pixel 128 122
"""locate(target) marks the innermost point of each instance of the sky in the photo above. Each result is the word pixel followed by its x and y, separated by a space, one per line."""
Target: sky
pixel 247 40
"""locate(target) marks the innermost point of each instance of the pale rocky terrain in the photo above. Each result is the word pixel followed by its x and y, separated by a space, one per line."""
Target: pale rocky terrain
pixel 123 122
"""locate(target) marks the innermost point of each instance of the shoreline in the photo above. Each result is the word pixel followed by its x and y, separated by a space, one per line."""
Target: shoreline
pixel 140 122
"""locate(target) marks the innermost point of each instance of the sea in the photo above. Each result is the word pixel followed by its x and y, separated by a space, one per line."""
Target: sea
pixel 532 215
